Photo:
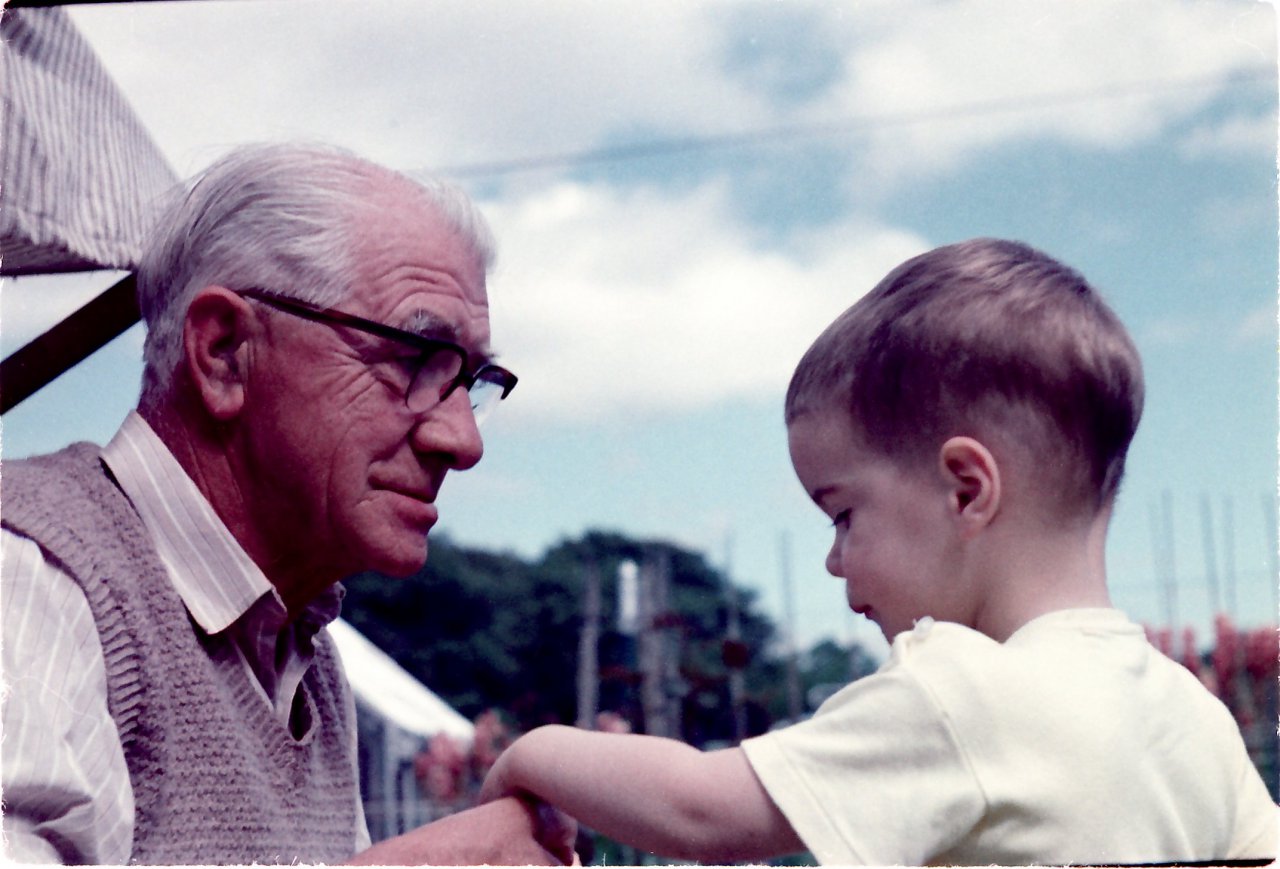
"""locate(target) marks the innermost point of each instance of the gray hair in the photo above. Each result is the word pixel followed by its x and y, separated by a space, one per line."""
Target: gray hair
pixel 276 217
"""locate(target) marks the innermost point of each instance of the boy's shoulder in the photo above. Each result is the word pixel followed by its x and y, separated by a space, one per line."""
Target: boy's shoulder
pixel 932 642
pixel 1060 673
pixel 1056 663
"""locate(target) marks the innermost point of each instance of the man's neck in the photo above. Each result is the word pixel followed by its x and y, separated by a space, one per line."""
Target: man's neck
pixel 208 459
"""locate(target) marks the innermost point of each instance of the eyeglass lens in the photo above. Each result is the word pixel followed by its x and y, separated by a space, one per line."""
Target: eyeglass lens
pixel 485 395
pixel 436 374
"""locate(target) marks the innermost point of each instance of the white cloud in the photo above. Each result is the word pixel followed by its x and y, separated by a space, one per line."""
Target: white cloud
pixel 931 57
pixel 411 84
pixel 1233 136
pixel 1260 323
pixel 615 301
pixel 609 303
pixel 423 85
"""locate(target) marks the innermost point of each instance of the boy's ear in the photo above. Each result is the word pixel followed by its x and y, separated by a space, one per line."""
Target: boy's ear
pixel 972 476
pixel 215 337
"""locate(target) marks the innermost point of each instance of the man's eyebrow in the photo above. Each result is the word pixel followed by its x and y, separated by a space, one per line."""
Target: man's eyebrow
pixel 428 324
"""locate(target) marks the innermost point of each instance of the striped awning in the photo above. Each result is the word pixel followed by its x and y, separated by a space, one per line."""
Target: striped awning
pixel 79 174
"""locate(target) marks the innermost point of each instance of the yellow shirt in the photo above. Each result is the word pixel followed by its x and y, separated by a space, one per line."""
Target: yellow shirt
pixel 1075 741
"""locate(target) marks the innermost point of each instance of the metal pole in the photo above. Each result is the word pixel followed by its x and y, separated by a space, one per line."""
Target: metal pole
pixel 1171 578
pixel 652 655
pixel 794 707
pixel 1210 555
pixel 1229 554
pixel 737 686
pixel 588 645
pixel 1157 556
pixel 1273 552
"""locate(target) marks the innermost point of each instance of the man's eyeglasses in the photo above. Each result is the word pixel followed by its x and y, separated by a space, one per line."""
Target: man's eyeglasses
pixel 439 368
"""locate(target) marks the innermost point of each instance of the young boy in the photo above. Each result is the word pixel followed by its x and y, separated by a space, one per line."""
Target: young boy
pixel 964 426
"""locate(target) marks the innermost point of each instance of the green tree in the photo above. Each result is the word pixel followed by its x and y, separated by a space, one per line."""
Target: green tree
pixel 488 630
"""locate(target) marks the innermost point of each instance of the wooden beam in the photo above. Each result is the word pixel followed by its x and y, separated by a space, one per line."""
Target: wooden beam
pixel 36 364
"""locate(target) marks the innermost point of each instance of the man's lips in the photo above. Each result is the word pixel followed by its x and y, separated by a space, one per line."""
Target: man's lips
pixel 420 503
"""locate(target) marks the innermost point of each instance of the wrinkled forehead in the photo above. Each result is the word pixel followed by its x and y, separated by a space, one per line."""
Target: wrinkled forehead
pixel 413 269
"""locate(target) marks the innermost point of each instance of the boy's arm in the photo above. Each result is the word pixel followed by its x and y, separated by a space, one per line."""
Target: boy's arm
pixel 656 794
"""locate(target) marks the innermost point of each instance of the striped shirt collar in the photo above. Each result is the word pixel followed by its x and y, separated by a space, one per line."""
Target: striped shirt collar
pixel 216 579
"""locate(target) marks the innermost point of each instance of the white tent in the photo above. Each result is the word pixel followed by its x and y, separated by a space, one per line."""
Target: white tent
pixel 395 716
pixel 383 685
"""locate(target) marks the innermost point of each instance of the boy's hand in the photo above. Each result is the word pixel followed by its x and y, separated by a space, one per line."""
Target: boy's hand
pixel 556 831
pixel 495 782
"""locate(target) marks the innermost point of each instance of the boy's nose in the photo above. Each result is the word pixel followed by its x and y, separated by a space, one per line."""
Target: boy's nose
pixel 833 561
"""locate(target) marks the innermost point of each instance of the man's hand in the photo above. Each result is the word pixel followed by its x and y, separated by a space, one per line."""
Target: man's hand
pixel 505 832
pixel 556 826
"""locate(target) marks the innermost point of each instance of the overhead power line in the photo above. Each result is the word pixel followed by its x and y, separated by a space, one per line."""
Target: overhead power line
pixel 855 126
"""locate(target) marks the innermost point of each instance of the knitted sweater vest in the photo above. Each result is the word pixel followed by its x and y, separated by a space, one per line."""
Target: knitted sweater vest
pixel 216 777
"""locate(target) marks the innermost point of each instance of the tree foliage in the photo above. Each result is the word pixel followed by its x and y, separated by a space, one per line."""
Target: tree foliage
pixel 492 630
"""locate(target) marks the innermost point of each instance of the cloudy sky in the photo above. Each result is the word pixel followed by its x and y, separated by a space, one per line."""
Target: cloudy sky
pixel 685 193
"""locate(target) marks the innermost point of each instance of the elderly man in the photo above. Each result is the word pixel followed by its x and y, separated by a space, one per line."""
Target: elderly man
pixel 317 360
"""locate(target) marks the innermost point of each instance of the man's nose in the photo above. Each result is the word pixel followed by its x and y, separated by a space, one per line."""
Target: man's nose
pixel 449 429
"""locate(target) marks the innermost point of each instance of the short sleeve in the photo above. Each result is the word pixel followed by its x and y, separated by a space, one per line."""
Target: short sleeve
pixel 874 777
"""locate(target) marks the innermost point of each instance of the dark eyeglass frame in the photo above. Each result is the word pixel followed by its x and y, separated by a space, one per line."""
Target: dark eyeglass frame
pixel 487 373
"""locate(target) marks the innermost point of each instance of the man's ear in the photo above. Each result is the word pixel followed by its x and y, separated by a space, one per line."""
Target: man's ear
pixel 973 478
pixel 215 337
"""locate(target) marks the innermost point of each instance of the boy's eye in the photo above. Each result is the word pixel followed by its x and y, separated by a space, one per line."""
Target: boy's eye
pixel 841 519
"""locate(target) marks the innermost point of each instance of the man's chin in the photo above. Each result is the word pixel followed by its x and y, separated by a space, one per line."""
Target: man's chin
pixel 404 561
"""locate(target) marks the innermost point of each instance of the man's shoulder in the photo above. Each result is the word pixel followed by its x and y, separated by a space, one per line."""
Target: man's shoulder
pixel 58 498
pixel 47 474
pixel 67 463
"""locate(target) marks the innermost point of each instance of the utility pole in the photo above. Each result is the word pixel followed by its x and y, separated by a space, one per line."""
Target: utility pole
pixel 1229 554
pixel 1210 556
pixel 655 656
pixel 1162 546
pixel 794 707
pixel 1273 545
pixel 588 645
pixel 732 655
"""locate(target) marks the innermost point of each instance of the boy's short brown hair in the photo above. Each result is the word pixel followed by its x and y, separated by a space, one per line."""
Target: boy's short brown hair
pixel 992 339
